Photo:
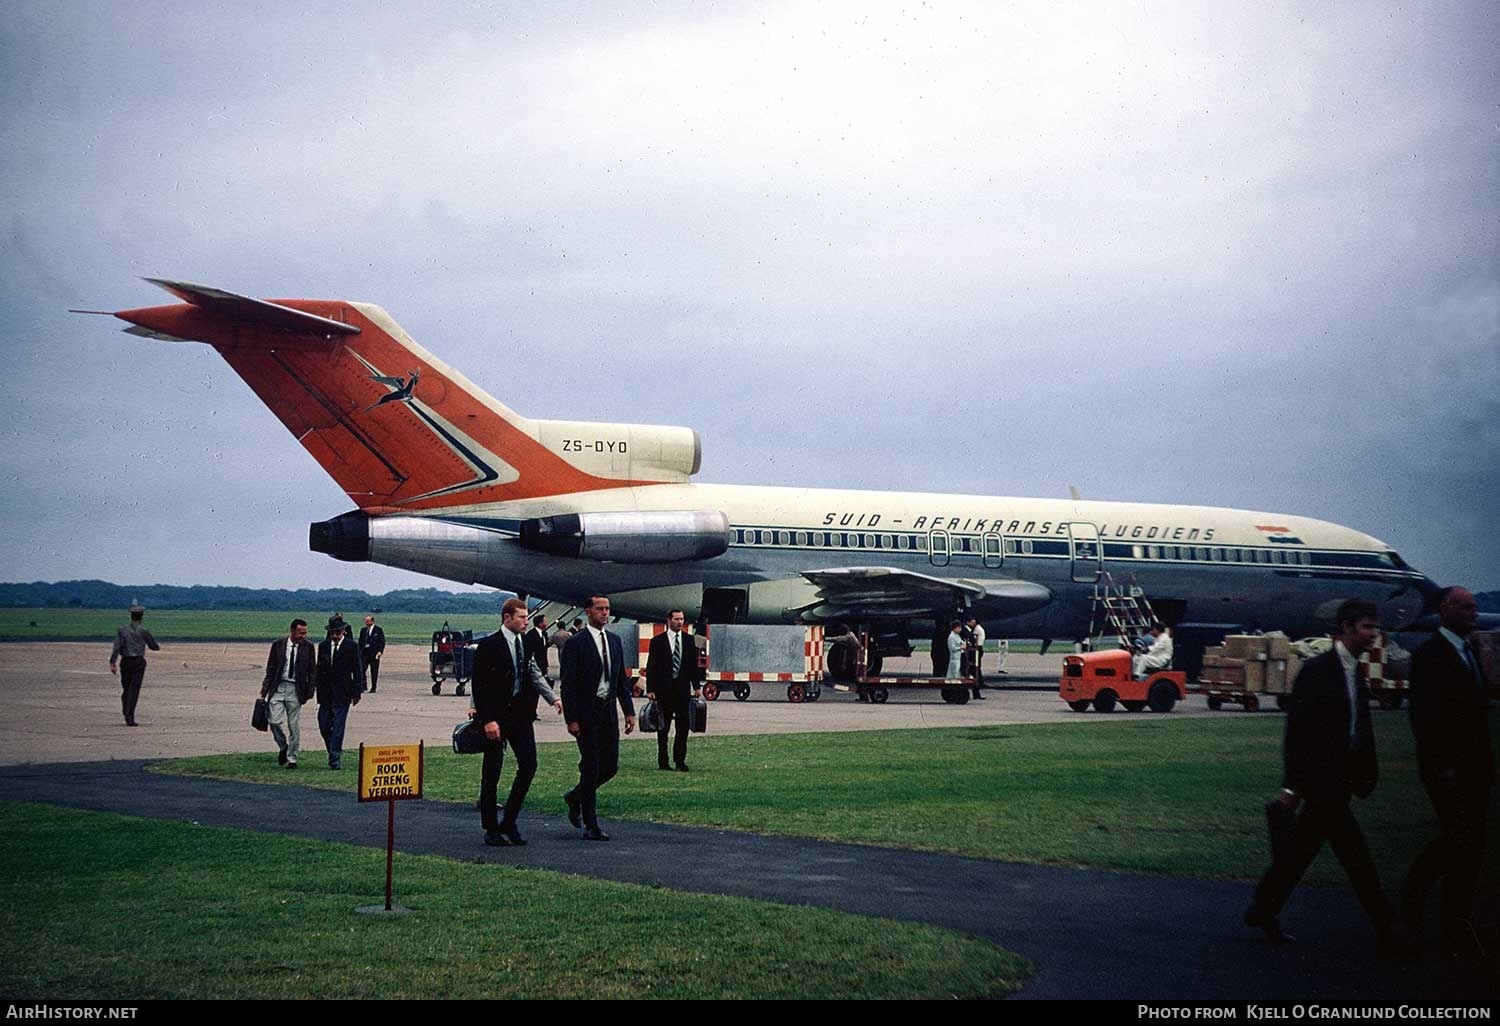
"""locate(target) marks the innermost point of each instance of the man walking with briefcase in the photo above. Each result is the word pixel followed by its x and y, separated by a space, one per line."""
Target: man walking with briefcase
pixel 673 681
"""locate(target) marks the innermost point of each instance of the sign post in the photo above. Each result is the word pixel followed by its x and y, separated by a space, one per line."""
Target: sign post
pixel 390 773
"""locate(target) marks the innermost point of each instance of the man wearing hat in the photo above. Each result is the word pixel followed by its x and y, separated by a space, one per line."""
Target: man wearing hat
pixel 340 681
pixel 128 659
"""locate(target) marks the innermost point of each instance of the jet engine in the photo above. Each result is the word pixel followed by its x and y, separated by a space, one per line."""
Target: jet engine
pixel 647 536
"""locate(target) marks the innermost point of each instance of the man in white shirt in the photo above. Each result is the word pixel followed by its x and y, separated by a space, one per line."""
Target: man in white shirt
pixel 1159 655
pixel 507 686
pixel 592 669
pixel 976 636
pixel 1450 721
pixel 1329 757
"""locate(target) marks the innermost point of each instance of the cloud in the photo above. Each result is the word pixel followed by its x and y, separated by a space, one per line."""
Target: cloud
pixel 1234 255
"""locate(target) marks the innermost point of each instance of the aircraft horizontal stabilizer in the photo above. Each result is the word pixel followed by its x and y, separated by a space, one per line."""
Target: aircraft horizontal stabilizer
pixel 254 311
pixel 160 336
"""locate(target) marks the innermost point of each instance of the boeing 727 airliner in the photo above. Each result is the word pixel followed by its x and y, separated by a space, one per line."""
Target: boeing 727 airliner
pixel 450 482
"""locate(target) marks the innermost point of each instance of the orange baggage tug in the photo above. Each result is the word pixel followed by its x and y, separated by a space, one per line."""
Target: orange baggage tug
pixel 1102 679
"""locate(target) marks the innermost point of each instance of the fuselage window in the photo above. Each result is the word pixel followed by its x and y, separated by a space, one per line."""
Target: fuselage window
pixel 782 538
pixel 815 538
pixel 1138 551
pixel 801 539
pixel 920 543
pixel 869 541
pixel 1025 549
pixel 886 542
pixel 1010 546
pixel 1152 552
pixel 901 541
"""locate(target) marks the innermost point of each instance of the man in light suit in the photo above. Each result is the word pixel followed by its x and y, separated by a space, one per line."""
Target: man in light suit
pixel 672 677
pixel 287 686
pixel 1449 718
pixel 507 684
pixel 593 681
pixel 341 679
pixel 1329 756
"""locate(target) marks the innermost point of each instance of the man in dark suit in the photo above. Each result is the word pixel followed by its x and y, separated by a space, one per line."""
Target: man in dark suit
pixel 672 677
pixel 1450 720
pixel 287 686
pixel 538 636
pixel 1329 756
pixel 371 645
pixel 507 684
pixel 593 680
pixel 340 682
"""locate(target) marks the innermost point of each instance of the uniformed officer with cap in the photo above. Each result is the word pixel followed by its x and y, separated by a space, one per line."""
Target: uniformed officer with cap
pixel 128 659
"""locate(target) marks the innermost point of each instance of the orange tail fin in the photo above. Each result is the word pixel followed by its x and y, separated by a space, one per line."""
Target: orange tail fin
pixel 396 427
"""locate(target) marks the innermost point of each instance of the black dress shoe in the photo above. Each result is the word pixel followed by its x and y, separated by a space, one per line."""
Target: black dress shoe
pixel 1268 925
pixel 281 758
pixel 575 811
pixel 512 835
pixel 291 765
pixel 496 839
pixel 682 767
pixel 595 834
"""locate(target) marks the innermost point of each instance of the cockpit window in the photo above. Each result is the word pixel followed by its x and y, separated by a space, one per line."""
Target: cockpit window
pixel 1396 561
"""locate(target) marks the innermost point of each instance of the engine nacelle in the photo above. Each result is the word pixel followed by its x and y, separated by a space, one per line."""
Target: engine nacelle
pixel 649 536
pixel 623 452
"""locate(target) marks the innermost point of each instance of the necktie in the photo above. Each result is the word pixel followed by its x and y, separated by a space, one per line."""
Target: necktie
pixel 1473 663
pixel 291 662
pixel 676 652
pixel 515 687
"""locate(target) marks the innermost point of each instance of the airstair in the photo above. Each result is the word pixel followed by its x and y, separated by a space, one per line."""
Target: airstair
pixel 559 614
pixel 1119 609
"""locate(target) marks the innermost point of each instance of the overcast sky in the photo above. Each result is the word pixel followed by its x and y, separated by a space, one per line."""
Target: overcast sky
pixel 1224 254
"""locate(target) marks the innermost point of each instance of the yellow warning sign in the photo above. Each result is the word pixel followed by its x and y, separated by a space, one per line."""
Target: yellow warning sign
pixel 390 772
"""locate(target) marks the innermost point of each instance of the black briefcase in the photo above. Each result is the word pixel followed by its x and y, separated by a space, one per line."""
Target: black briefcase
pixel 468 738
pixel 650 717
pixel 697 715
pixel 1281 827
pixel 260 716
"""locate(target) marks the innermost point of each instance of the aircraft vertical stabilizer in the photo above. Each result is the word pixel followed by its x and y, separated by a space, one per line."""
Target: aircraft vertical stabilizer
pixel 396 427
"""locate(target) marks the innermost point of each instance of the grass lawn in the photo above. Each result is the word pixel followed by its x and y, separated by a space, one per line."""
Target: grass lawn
pixel 205 625
pixel 1159 794
pixel 111 907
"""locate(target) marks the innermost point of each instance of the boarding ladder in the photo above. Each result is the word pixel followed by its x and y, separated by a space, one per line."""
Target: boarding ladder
pixel 559 614
pixel 1123 608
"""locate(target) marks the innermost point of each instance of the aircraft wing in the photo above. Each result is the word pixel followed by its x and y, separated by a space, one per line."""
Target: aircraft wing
pixel 852 592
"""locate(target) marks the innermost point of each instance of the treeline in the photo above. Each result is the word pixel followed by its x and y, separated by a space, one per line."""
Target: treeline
pixel 104 595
